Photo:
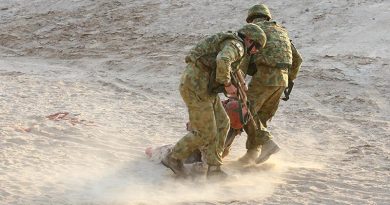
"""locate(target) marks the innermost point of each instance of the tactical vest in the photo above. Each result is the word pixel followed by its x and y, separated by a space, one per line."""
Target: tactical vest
pixel 204 54
pixel 277 51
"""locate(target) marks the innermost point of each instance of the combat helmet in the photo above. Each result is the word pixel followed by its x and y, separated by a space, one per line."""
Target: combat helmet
pixel 255 33
pixel 258 10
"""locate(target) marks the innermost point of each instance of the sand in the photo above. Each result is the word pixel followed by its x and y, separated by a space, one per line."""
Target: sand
pixel 87 85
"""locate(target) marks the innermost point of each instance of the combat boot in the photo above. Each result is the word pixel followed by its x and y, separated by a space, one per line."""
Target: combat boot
pixel 249 157
pixel 268 149
pixel 215 173
pixel 175 165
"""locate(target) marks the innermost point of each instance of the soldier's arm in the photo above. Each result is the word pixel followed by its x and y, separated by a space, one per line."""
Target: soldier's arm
pixel 232 50
pixel 296 63
pixel 245 63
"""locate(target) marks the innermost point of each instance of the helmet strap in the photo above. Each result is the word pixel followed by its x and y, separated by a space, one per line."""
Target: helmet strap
pixel 250 48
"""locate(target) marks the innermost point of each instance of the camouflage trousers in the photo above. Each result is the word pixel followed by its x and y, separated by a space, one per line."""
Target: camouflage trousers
pixel 264 103
pixel 208 119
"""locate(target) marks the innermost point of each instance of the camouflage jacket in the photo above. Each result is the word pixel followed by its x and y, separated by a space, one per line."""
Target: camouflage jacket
pixel 218 53
pixel 296 63
pixel 275 60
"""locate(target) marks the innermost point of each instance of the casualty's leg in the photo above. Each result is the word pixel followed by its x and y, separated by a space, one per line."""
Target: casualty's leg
pixel 229 141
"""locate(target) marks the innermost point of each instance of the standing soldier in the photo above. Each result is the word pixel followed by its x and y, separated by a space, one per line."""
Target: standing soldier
pixel 208 69
pixel 273 69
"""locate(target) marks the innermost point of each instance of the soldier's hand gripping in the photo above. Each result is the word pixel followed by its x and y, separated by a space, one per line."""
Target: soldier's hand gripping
pixel 231 90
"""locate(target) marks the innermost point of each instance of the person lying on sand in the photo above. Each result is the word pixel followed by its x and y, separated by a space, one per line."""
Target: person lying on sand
pixel 196 163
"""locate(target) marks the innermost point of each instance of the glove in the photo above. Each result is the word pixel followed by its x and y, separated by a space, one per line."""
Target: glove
pixel 288 90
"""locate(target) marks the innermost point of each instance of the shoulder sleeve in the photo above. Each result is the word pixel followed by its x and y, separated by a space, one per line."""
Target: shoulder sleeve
pixel 296 63
pixel 231 51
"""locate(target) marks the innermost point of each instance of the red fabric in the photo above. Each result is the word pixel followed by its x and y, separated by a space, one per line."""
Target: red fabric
pixel 232 108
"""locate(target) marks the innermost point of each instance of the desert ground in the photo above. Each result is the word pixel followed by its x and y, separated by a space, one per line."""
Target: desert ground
pixel 87 85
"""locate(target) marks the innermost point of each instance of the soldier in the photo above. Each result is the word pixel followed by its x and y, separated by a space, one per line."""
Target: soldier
pixel 273 69
pixel 208 69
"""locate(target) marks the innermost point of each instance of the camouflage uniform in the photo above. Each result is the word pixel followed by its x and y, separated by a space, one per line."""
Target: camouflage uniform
pixel 276 65
pixel 208 118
